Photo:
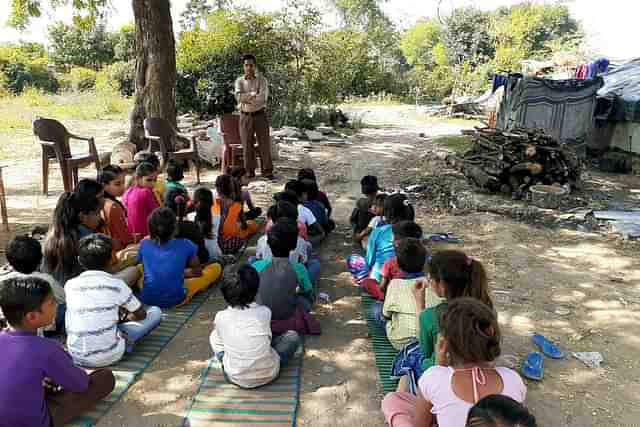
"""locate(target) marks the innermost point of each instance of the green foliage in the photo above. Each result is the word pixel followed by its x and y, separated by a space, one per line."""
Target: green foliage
pixel 75 45
pixel 124 43
pixel 25 65
pixel 194 14
pixel 467 36
pixel 86 12
pixel 118 77
pixel 418 43
pixel 82 79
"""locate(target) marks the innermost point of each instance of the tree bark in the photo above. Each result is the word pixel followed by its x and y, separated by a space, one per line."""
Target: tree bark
pixel 155 94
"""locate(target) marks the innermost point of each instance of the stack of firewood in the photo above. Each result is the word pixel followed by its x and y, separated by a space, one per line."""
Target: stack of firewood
pixel 511 162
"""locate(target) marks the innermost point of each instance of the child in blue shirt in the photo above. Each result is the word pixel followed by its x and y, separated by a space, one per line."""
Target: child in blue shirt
pixel 167 262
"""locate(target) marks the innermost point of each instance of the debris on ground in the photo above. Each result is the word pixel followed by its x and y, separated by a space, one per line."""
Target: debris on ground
pixel 512 162
pixel 592 359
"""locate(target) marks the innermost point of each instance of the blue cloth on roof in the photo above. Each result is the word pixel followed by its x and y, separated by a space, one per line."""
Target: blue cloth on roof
pixel 498 81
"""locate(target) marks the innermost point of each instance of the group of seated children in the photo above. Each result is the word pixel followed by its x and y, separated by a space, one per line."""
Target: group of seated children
pixel 444 324
pixel 274 295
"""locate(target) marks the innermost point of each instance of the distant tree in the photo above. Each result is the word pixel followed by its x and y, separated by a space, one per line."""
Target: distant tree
pixel 155 79
pixel 80 46
pixel 417 42
pixel 467 36
pixel 124 43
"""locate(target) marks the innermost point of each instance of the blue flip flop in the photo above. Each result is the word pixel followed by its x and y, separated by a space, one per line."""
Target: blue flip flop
pixel 547 348
pixel 533 366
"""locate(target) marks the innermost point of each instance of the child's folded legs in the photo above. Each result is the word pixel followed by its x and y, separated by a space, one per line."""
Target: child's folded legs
pixel 65 406
pixel 136 330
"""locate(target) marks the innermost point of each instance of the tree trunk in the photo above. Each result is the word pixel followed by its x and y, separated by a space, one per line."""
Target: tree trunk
pixel 155 94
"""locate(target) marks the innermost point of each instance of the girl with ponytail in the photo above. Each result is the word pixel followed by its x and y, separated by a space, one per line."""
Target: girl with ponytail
pixel 465 372
pixel 75 216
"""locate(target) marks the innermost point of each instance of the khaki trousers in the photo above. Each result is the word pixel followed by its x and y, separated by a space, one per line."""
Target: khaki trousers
pixel 259 126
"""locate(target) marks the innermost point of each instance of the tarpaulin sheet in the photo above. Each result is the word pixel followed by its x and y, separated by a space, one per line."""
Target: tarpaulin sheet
pixel 619 98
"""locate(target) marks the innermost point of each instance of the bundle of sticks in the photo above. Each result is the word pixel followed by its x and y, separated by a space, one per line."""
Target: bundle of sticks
pixel 511 162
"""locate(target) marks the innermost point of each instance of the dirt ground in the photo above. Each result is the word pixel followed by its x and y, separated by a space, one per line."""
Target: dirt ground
pixel 581 290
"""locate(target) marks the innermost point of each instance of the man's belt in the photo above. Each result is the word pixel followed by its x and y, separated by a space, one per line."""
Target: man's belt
pixel 253 114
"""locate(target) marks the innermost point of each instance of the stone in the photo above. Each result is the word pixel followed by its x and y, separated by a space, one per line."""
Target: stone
pixel 315 136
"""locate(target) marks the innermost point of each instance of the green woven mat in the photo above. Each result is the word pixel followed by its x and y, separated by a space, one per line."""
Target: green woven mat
pixel 147 349
pixel 219 403
pixel 382 348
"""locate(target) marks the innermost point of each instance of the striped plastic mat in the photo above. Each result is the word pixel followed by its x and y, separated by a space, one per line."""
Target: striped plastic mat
pixel 382 348
pixel 219 403
pixel 133 365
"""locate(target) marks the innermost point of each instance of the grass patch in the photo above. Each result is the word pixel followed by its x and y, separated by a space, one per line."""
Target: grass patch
pixel 18 112
pixel 457 143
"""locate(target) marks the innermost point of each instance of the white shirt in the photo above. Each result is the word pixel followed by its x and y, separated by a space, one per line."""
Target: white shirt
pixel 305 216
pixel 375 221
pixel 245 337
pixel 211 244
pixel 93 302
pixel 245 89
pixel 299 254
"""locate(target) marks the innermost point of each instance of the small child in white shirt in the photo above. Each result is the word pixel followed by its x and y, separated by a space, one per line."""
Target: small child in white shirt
pixel 303 248
pixel 250 356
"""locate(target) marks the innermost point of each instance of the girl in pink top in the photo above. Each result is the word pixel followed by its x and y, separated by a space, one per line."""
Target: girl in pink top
pixel 139 199
pixel 468 344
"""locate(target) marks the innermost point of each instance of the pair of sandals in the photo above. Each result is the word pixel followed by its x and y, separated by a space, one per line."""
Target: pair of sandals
pixel 533 367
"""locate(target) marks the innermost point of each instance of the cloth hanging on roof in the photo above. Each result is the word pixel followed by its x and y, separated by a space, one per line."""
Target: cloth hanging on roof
pixel 498 81
pixel 599 66
pixel 582 72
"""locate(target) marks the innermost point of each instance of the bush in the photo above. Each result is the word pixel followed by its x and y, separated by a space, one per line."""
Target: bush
pixel 119 77
pixel 82 79
pixel 17 76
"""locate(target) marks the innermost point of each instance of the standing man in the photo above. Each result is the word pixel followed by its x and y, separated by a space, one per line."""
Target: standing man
pixel 252 92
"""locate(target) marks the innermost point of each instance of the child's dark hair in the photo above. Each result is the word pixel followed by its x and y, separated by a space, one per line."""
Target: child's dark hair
pixel 307 173
pixel 287 196
pixel 296 187
pixel 462 276
pixel 471 330
pixel 283 237
pixel 61 244
pixel 175 171
pixel 397 208
pixel 88 186
pixel 236 172
pixel 411 255
pixel 311 188
pixel 21 295
pixel 109 173
pixel 379 200
pixel 203 201
pixel 162 225
pixel 145 169
pixel 147 157
pixel 24 254
pixel 284 210
pixel 176 200
pixel 404 229
pixel 242 290
pixel 369 185
pixel 499 411
pixel 95 251
pixel 229 187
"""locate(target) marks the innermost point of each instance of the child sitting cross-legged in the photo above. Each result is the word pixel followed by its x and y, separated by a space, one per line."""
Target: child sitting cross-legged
pixel 24 255
pixel 361 214
pixel 390 269
pixel 303 251
pixel 172 273
pixel 114 213
pixel 285 287
pixel 316 207
pixel 104 318
pixel 250 355
pixel 159 188
pixel 400 309
pixel 239 174
pixel 139 200
pixel 321 196
pixel 465 372
pixel 39 384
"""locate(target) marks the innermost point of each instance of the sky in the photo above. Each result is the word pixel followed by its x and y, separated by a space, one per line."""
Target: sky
pixel 611 25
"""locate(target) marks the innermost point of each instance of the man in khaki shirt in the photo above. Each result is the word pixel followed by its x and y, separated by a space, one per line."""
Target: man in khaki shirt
pixel 252 92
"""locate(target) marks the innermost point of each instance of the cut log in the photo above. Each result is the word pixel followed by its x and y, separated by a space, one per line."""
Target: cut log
pixel 547 196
